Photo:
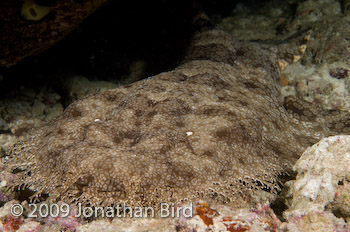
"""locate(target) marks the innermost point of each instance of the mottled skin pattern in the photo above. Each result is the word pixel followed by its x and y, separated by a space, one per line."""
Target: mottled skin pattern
pixel 214 126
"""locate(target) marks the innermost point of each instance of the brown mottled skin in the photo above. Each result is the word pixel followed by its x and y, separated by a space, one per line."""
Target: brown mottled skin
pixel 203 129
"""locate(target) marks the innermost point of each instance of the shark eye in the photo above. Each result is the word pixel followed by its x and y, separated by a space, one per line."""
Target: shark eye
pixel 32 11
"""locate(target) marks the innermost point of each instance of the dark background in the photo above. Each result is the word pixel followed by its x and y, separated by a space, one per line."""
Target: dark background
pixel 103 46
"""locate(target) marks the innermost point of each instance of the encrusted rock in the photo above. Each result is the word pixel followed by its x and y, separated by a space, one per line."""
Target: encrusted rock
pixel 323 175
